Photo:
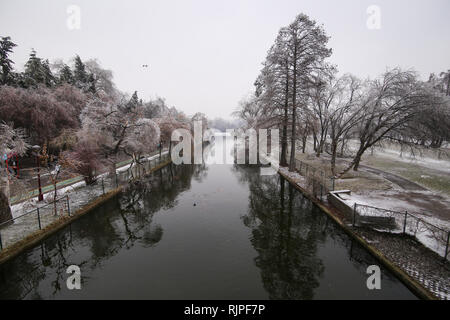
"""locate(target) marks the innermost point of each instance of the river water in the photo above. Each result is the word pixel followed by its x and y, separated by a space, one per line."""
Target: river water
pixel 205 231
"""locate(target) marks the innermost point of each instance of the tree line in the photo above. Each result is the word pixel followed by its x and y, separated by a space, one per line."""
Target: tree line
pixel 78 117
pixel 299 92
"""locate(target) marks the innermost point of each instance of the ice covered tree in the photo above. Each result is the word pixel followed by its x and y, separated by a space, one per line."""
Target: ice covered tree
pixel 11 141
pixel 141 140
pixel 80 74
pixel 49 78
pixel 346 109
pixel 85 158
pixel 34 71
pixel 113 124
pixel 306 46
pixel 6 64
pixel 42 112
pixel 103 78
pixel 66 75
pixel 298 53
pixel 391 101
pixel 166 126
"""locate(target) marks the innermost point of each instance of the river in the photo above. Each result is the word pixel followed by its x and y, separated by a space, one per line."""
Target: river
pixel 206 231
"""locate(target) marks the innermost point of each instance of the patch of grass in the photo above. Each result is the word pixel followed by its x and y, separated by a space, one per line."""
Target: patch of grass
pixel 432 179
pixel 356 181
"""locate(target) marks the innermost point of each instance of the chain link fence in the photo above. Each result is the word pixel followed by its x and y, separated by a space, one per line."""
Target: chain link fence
pixel 31 221
pixel 38 218
pixel 434 237
pixel 317 181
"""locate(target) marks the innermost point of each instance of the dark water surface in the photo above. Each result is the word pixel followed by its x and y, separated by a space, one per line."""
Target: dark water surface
pixel 201 232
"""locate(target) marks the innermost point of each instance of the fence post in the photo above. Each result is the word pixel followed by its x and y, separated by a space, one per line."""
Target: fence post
pixel 39 218
pixel 115 174
pixel 103 186
pixel 446 247
pixel 1 243
pixel 68 204
pixel 332 181
pixel 404 222
pixel 354 214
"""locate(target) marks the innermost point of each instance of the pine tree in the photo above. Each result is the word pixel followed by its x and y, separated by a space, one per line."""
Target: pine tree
pixel 66 75
pixel 34 71
pixel 134 101
pixel 49 78
pixel 132 105
pixel 80 74
pixel 6 46
pixel 91 81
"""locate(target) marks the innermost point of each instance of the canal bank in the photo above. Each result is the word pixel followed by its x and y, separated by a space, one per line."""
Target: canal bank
pixel 201 232
pixel 336 216
pixel 38 236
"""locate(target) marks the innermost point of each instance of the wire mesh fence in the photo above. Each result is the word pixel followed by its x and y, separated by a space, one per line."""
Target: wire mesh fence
pixel 432 236
pixel 133 171
pixel 31 221
pixel 40 217
pixel 317 182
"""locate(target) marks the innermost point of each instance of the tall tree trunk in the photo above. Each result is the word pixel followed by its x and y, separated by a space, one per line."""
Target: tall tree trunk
pixel 355 162
pixel 315 140
pixel 5 210
pixel 333 157
pixel 294 115
pixel 257 148
pixel 448 84
pixel 342 147
pixel 283 160
pixel 304 138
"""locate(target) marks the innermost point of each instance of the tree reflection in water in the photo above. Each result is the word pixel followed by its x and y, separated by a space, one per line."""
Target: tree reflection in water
pixel 287 231
pixel 118 224
pixel 285 235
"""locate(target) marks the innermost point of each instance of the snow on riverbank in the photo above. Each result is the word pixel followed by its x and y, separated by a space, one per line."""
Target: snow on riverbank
pixel 428 229
pixel 27 205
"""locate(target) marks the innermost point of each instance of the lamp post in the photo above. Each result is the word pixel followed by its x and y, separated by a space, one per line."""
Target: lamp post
pixel 36 149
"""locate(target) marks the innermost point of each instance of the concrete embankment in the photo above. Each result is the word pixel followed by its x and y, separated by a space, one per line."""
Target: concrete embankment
pixel 337 217
pixel 40 235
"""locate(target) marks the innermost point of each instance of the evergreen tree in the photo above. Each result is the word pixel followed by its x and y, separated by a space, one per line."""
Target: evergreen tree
pixel 134 101
pixel 34 71
pixel 66 75
pixel 80 74
pixel 91 81
pixel 132 105
pixel 49 78
pixel 6 46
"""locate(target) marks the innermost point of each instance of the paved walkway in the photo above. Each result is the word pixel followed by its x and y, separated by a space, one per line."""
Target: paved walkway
pixel 64 183
pixel 25 223
pixel 400 181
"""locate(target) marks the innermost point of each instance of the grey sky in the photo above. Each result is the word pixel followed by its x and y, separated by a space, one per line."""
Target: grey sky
pixel 205 55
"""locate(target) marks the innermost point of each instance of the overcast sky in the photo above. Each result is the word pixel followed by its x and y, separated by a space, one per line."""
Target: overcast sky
pixel 205 55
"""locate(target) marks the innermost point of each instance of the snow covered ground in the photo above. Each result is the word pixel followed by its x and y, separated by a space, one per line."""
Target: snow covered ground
pixel 430 230
pixel 25 216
